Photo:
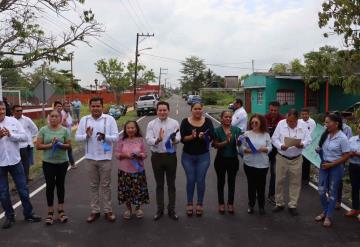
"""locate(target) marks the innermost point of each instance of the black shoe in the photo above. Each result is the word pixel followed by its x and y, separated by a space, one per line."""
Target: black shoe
pixel 271 200
pixel 250 210
pixel 278 209
pixel 262 211
pixel 173 215
pixel 33 218
pixel 158 215
pixel 293 212
pixel 8 223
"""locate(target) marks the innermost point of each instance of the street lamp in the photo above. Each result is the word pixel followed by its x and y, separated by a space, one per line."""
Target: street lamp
pixel 96 84
pixel 137 54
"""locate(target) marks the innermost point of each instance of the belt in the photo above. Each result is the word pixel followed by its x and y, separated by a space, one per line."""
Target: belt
pixel 162 154
pixel 290 158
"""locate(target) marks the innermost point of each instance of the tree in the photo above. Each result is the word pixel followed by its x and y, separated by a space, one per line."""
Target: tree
pixel 193 74
pixel 344 17
pixel 279 68
pixel 296 67
pixel 120 77
pixel 23 40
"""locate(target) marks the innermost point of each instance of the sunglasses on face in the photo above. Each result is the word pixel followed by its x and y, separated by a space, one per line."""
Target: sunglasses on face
pixel 255 122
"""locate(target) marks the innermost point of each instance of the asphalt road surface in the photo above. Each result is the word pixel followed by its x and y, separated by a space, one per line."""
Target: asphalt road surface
pixel 212 229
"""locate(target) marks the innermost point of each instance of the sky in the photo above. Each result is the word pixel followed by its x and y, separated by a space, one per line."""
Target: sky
pixel 226 33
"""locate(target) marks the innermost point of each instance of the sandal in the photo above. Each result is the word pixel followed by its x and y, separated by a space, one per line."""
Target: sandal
pixel 199 210
pixel 230 209
pixel 320 217
pixel 189 210
pixel 139 213
pixel 49 219
pixel 327 222
pixel 62 216
pixel 222 209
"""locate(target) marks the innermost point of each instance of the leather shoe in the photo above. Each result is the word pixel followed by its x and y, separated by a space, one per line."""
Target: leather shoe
pixel 293 212
pixel 173 215
pixel 92 217
pixel 110 217
pixel 278 209
pixel 8 223
pixel 33 218
pixel 158 215
pixel 262 211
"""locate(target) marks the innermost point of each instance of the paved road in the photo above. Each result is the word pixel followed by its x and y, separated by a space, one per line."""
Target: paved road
pixel 212 229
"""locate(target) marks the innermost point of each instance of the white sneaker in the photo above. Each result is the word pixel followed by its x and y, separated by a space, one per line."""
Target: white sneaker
pixel 127 215
pixel 139 214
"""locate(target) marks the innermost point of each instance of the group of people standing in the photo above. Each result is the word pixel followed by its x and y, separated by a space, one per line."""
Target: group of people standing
pixel 259 142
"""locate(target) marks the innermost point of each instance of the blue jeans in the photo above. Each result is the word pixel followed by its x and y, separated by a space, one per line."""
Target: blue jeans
pixel 329 182
pixel 195 167
pixel 18 175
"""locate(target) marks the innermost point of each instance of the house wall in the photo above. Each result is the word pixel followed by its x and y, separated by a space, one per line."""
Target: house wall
pixel 255 107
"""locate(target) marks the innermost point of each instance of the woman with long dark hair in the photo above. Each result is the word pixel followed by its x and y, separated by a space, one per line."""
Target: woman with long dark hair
pixel 334 151
pixel 54 140
pixel 226 161
pixel 256 161
pixel 196 134
pixel 132 185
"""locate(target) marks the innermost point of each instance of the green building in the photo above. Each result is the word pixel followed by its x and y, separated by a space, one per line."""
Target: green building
pixel 291 92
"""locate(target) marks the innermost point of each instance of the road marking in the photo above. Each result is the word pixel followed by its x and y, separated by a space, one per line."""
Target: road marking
pixel 344 206
pixel 43 186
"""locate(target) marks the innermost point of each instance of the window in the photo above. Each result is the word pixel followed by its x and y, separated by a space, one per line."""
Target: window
pixel 285 97
pixel 260 96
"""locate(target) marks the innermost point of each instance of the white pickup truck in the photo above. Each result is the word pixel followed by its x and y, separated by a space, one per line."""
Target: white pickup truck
pixel 146 104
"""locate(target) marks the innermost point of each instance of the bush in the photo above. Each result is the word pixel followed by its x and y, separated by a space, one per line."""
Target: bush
pixel 218 98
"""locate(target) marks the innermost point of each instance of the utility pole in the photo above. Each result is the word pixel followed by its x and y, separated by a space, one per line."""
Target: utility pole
pixel 161 73
pixel 72 74
pixel 253 65
pixel 136 58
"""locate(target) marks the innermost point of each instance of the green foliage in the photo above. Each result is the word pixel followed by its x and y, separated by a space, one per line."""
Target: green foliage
pixel 279 68
pixel 26 41
pixel 344 18
pixel 193 77
pixel 296 67
pixel 218 98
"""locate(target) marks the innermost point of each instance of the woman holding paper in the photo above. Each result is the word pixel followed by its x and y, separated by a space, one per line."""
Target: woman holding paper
pixel 256 145
pixel 54 140
pixel 132 185
pixel 196 132
pixel 334 152
pixel 226 161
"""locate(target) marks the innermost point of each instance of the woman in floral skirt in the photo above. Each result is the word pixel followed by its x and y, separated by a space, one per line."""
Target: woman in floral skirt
pixel 132 186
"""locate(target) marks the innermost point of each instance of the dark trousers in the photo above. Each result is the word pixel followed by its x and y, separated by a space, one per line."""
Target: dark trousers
pixel 71 157
pixel 55 178
pixel 272 159
pixel 340 190
pixel 25 160
pixel 164 165
pixel 306 170
pixel 256 178
pixel 223 166
pixel 354 172
pixel 18 175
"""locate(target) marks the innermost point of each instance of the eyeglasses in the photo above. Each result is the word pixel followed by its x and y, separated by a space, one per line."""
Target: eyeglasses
pixel 254 122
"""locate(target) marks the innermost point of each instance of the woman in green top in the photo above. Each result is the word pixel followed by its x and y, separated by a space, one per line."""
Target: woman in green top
pixel 226 160
pixel 54 140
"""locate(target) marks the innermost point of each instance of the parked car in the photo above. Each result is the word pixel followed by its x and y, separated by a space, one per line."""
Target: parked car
pixel 194 99
pixel 184 96
pixel 353 108
pixel 146 104
pixel 116 111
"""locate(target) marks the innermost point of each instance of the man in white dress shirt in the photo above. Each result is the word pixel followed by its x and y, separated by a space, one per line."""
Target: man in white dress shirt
pixel 98 131
pixel 31 131
pixel 239 119
pixel 289 160
pixel 310 124
pixel 11 134
pixel 162 134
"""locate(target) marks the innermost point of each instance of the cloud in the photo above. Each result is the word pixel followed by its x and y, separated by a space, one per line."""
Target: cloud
pixel 219 31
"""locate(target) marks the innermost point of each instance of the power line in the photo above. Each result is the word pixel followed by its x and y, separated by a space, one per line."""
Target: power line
pixel 140 21
pixel 142 13
pixel 131 16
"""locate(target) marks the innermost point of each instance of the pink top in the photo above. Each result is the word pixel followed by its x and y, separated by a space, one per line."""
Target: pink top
pixel 135 145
